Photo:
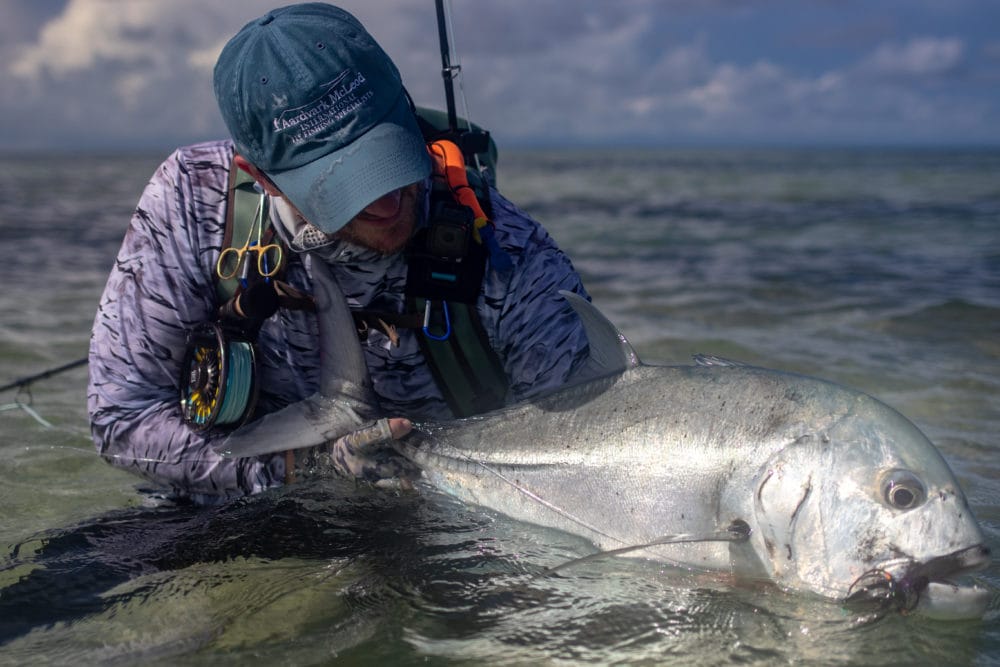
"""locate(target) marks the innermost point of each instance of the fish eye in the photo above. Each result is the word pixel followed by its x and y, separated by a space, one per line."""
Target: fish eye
pixel 903 490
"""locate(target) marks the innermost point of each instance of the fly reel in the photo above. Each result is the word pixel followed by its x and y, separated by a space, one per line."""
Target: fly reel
pixel 218 378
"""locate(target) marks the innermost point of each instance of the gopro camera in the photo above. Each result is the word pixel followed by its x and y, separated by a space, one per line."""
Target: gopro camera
pixel 449 232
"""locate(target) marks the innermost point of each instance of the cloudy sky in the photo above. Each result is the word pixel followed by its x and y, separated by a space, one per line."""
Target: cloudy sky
pixel 123 74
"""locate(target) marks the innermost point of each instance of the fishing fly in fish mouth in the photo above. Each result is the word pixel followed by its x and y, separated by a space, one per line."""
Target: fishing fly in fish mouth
pixel 865 510
pixel 900 586
pixel 904 582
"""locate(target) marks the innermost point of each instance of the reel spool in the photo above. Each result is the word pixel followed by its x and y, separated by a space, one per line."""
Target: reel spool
pixel 218 378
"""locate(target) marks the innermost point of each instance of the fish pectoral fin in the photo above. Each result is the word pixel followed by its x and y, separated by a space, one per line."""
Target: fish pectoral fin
pixel 737 532
pixel 504 474
pixel 307 423
pixel 734 533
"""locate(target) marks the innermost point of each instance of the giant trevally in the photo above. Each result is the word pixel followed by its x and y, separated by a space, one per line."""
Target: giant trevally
pixel 715 466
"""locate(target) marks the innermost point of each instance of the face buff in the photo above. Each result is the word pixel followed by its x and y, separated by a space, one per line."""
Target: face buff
pixel 294 230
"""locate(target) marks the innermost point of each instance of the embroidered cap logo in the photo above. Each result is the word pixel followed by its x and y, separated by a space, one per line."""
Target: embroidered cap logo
pixel 339 99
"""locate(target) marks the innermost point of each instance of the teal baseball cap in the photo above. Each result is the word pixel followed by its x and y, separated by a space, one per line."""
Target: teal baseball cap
pixel 314 102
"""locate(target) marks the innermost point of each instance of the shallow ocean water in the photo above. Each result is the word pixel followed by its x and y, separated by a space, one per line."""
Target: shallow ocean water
pixel 876 269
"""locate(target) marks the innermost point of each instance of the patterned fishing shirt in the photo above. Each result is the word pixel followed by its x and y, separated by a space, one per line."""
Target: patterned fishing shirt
pixel 162 286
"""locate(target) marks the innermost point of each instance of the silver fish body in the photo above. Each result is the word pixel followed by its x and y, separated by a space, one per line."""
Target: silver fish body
pixel 831 483
pixel 717 466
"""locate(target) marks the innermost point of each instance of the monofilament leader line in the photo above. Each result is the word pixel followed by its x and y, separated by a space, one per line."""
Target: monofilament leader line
pixel 26 407
pixel 23 385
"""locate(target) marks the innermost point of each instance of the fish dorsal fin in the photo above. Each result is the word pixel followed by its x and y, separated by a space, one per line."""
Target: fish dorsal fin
pixel 610 351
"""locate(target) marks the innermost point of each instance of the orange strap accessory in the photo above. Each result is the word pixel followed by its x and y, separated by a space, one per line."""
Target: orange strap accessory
pixel 449 167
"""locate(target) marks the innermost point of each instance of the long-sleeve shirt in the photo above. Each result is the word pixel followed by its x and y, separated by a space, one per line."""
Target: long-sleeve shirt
pixel 163 285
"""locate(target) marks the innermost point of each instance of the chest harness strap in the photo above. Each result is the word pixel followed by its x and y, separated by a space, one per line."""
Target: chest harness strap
pixel 447 261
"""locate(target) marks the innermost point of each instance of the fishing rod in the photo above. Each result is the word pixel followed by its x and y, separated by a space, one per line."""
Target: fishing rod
pixel 470 140
pixel 25 381
pixel 448 71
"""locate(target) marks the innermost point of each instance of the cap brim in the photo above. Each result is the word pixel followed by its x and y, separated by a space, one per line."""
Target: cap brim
pixel 331 190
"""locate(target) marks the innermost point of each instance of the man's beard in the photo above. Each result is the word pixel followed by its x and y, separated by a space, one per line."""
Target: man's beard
pixel 391 239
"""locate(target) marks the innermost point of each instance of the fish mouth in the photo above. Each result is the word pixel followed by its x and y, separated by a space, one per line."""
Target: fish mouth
pixel 932 585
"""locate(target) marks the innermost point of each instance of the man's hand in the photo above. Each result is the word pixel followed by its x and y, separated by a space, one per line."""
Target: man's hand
pixel 364 454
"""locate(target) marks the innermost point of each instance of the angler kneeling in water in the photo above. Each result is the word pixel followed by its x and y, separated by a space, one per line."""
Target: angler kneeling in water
pixel 206 322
